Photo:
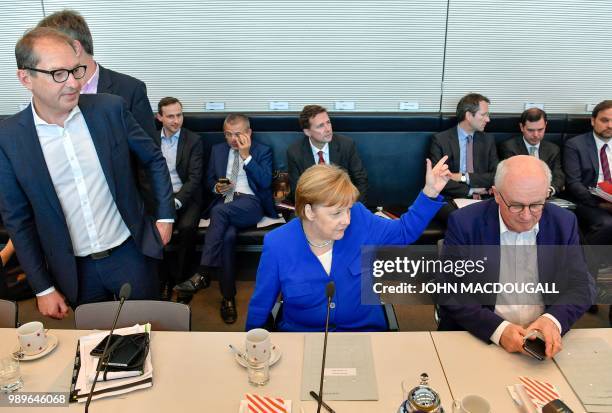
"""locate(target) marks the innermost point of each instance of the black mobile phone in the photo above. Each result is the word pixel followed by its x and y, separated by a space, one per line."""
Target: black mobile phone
pixel 535 348
pixel 224 181
pixel 99 349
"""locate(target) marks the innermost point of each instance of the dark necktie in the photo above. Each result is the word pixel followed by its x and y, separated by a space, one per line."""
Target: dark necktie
pixel 321 158
pixel 470 154
pixel 605 166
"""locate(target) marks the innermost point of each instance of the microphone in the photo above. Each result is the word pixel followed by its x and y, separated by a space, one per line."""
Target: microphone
pixel 124 294
pixel 330 289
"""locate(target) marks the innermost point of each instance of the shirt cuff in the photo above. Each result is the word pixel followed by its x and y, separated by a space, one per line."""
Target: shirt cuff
pixel 168 220
pixel 554 320
pixel 46 292
pixel 496 336
pixel 177 203
pixel 247 160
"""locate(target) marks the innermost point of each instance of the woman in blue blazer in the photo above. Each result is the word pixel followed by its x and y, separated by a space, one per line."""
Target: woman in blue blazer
pixel 324 243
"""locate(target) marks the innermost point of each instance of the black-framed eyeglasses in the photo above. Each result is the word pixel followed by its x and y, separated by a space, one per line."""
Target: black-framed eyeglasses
pixel 518 208
pixel 61 75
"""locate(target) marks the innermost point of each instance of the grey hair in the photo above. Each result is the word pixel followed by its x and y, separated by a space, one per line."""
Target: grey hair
pixel 502 170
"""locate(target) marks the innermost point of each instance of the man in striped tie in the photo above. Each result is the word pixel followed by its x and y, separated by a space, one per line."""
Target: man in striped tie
pixel 586 161
pixel 240 176
pixel 531 142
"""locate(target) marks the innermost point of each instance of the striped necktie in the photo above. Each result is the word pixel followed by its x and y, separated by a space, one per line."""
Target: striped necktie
pixel 229 197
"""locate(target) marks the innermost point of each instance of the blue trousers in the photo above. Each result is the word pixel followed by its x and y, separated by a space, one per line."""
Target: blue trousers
pixel 101 280
pixel 243 212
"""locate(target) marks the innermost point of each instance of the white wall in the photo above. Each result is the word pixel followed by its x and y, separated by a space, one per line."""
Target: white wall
pixel 247 53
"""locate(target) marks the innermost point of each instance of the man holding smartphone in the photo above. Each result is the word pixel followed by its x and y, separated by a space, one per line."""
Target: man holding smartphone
pixel 527 229
pixel 240 177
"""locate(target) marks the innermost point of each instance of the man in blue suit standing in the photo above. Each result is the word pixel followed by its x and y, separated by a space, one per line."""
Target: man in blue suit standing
pixel 519 216
pixel 69 199
pixel 240 176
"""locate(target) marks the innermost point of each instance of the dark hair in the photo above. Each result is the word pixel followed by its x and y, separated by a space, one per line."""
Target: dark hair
pixel 73 24
pixel 603 105
pixel 469 103
pixel 167 101
pixel 308 112
pixel 533 115
pixel 235 118
pixel 24 49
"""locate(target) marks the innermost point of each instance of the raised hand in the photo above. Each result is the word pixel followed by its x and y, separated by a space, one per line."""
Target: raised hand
pixel 436 177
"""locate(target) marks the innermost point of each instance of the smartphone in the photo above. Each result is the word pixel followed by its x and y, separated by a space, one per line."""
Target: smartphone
pixel 535 348
pixel 224 181
pixel 99 349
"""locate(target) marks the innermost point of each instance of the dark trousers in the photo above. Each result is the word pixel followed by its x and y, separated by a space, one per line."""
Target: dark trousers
pixel 175 266
pixel 596 225
pixel 101 280
pixel 225 219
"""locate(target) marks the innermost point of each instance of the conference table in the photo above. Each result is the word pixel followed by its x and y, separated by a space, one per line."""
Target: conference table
pixel 195 371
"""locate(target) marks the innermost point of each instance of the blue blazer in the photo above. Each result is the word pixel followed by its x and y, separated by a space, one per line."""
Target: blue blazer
pixel 288 266
pixel 31 209
pixel 581 165
pixel 258 171
pixel 478 224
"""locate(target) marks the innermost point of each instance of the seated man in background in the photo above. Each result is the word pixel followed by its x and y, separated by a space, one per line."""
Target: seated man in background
pixel 240 176
pixel 472 154
pixel 519 216
pixel 321 145
pixel 185 158
pixel 586 161
pixel 531 142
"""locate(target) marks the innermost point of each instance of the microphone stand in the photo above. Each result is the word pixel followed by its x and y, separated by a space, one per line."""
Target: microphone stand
pixel 330 290
pixel 124 293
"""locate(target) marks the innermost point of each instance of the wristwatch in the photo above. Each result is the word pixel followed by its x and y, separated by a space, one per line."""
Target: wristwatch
pixel 463 178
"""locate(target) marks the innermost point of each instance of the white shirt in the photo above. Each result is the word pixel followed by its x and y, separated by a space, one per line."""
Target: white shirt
pixel 315 152
pixel 511 266
pixel 326 260
pixel 242 183
pixel 92 217
pixel 599 143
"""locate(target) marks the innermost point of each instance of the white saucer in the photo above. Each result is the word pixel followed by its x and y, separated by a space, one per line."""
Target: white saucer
pixel 52 342
pixel 275 356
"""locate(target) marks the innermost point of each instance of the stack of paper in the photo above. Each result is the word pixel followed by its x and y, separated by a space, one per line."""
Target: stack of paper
pixel 586 363
pixel 85 369
pixel 601 193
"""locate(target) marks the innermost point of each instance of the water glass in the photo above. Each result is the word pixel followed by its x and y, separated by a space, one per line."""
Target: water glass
pixel 10 375
pixel 259 372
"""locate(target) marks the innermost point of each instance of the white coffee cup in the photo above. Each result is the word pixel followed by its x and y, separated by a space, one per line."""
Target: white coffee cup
pixel 258 345
pixel 471 404
pixel 32 338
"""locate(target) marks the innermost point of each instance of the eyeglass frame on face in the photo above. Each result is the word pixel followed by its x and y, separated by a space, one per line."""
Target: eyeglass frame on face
pixel 53 73
pixel 539 206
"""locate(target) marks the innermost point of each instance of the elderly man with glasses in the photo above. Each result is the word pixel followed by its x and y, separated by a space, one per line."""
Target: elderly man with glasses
pixel 534 242
pixel 69 199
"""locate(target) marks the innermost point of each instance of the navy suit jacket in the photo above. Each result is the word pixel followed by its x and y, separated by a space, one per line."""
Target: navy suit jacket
pixel 478 224
pixel 133 91
pixel 342 152
pixel 258 171
pixel 581 165
pixel 31 209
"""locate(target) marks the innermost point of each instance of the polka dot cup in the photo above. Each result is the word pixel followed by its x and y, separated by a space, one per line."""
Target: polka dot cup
pixel 257 345
pixel 32 338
